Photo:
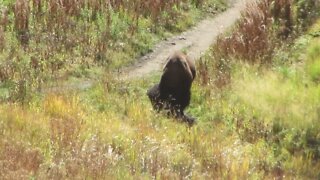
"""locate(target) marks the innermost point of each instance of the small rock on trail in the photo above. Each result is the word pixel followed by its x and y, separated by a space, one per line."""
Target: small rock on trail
pixel 196 40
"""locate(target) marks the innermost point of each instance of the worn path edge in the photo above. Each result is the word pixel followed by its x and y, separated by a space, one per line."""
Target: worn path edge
pixel 196 41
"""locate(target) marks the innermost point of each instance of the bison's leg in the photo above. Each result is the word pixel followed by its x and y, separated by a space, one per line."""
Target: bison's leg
pixel 188 119
pixel 154 96
pixel 183 102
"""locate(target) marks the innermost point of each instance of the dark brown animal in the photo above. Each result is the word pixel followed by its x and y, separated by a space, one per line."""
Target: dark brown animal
pixel 173 92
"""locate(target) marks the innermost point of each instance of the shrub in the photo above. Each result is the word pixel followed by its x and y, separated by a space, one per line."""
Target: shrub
pixel 304 9
pixel 21 20
pixel 313 61
pixel 263 26
pixel 56 38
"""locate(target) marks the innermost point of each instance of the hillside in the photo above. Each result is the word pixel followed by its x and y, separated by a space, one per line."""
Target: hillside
pixel 256 99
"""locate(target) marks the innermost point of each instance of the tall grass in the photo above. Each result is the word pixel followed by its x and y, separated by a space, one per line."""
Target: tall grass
pixel 264 27
pixel 278 106
pixel 21 20
pixel 263 126
pixel 2 39
pixel 56 39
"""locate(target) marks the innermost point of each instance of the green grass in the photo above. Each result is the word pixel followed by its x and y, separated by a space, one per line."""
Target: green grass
pixel 70 44
pixel 264 125
pixel 313 67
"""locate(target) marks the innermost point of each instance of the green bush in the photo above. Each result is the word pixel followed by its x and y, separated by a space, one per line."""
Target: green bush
pixel 313 61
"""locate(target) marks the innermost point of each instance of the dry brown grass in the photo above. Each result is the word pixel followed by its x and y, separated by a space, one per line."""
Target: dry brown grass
pixel 2 40
pixel 251 39
pixel 73 155
pixel 282 15
pixel 6 70
pixel 305 10
pixel 18 161
pixel 83 30
pixel 4 19
pixel 61 10
pixel 64 132
pixel 37 7
pixel 203 72
pixel 3 25
pixel 21 20
pixel 263 27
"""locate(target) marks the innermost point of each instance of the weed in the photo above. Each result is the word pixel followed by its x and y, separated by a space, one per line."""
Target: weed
pixel 18 161
pixel 2 39
pixel 256 36
pixel 251 40
pixel 263 28
pixel 58 36
pixel 22 13
pixel 263 126
pixel 313 62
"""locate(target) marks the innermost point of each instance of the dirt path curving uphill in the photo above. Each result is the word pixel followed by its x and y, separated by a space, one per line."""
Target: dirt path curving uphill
pixel 196 40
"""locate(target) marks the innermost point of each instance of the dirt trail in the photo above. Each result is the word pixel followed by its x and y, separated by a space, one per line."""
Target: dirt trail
pixel 196 40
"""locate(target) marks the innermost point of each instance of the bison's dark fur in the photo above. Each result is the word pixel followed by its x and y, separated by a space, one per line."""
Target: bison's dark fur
pixel 173 92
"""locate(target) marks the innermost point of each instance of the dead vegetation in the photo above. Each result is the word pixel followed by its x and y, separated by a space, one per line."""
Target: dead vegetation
pixel 264 26
pixel 59 14
pixel 56 39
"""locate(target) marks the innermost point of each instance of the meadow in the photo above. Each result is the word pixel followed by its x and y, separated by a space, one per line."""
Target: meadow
pixel 256 99
pixel 43 41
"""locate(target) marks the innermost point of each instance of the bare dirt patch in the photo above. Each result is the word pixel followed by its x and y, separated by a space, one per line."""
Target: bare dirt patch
pixel 196 41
